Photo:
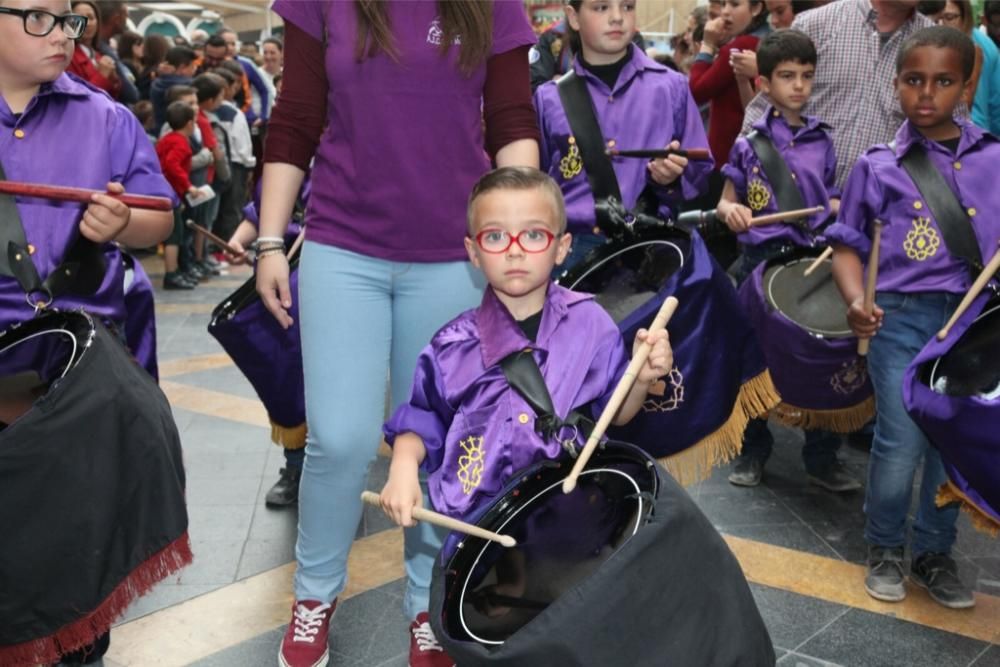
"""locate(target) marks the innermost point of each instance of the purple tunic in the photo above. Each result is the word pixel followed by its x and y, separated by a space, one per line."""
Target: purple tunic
pixel 404 140
pixel 74 135
pixel 476 429
pixel 808 152
pixel 913 256
pixel 650 106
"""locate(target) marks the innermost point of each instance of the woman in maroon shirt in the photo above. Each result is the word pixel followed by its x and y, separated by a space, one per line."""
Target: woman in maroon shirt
pixel 712 78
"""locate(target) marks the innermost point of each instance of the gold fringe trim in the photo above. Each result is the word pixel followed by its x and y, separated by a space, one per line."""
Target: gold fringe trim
pixel 289 438
pixel 755 398
pixel 949 493
pixel 844 420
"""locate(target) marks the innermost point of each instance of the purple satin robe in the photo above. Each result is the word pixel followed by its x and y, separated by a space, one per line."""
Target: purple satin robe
pixel 650 106
pixel 913 256
pixel 808 152
pixel 477 430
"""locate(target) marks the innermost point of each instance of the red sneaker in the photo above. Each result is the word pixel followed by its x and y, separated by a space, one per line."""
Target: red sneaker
pixel 425 651
pixel 306 642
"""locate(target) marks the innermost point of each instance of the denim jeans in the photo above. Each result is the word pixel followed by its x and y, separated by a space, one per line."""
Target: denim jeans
pixel 899 445
pixel 820 449
pixel 362 320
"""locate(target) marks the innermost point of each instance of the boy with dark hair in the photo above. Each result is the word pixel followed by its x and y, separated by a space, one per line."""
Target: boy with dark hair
pixel 786 60
pixel 182 59
pixel 174 151
pixel 209 90
pixel 920 282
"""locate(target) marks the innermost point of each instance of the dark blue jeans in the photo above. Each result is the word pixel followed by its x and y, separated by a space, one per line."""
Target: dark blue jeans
pixel 294 458
pixel 899 445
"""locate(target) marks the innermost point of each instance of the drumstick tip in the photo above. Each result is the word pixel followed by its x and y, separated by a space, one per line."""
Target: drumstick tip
pixel 508 541
pixel 569 484
pixel 941 335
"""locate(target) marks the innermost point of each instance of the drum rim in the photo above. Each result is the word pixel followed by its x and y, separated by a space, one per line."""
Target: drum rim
pixel 991 307
pixel 602 259
pixel 464 582
pixel 788 261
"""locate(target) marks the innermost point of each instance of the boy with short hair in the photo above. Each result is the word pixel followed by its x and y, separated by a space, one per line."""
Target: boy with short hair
pixel 786 60
pixel 920 283
pixel 517 234
pixel 174 151
pixel 182 59
pixel 209 91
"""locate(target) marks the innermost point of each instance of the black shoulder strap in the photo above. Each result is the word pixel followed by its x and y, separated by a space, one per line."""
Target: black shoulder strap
pixel 582 120
pixel 81 272
pixel 778 175
pixel 524 376
pixel 951 217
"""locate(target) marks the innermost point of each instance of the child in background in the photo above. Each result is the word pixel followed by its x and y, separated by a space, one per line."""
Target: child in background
pixel 174 151
pixel 787 62
pixel 920 283
pixel 241 158
pixel 182 60
pixel 209 92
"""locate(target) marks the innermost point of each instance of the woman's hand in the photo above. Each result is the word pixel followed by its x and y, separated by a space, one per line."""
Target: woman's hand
pixel 715 34
pixel 744 63
pixel 272 286
pixel 105 217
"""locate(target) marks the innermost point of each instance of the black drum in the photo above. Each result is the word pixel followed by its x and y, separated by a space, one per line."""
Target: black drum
pixel 93 511
pixel 695 416
pixel 811 352
pixel 625 570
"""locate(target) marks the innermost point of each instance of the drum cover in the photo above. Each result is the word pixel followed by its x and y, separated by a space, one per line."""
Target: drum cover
pixel 93 512
pixel 140 316
pixel 269 356
pixel 952 391
pixel 695 416
pixel 801 325
pixel 624 571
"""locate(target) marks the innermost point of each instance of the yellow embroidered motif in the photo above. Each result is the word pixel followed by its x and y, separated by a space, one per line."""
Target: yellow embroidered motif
pixel 571 164
pixel 922 241
pixel 852 376
pixel 666 394
pixel 757 195
pixel 470 464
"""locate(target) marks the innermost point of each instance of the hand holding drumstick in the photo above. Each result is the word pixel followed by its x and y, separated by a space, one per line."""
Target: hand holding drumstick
pixel 863 316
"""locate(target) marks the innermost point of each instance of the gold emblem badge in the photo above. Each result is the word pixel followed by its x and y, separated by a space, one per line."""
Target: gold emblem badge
pixel 470 464
pixel 758 195
pixel 666 394
pixel 556 47
pixel 922 241
pixel 571 164
pixel 851 377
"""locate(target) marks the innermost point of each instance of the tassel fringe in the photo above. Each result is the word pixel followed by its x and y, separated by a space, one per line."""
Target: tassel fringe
pixel 756 397
pixel 88 629
pixel 289 438
pixel 948 493
pixel 845 420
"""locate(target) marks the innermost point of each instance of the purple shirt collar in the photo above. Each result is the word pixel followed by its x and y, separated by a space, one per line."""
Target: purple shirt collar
pixel 64 84
pixel 499 334
pixel 774 124
pixel 637 62
pixel 907 135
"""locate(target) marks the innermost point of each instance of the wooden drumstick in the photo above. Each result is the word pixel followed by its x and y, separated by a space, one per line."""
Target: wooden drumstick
pixel 297 243
pixel 819 260
pixel 653 153
pixel 437 519
pixel 785 215
pixel 981 281
pixel 217 240
pixel 83 195
pixel 869 304
pixel 618 397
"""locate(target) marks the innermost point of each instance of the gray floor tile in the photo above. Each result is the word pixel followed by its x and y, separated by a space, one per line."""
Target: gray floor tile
pixel 800 660
pixel 261 651
pixel 988 579
pixel 215 562
pixel 989 658
pixel 791 536
pixel 227 379
pixel 862 639
pixel 213 465
pixel 844 537
pixel 273 524
pixel 792 619
pixel 744 507
pixel 165 594
pixel 219 522
pixel 222 491
pixel 261 555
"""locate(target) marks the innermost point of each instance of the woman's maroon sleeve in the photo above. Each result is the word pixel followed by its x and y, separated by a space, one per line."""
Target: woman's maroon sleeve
pixel 299 114
pixel 507 107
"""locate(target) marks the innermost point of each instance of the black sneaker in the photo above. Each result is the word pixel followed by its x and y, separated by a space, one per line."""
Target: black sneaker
pixel 285 491
pixel 938 573
pixel 748 471
pixel 207 267
pixel 196 273
pixel 884 580
pixel 835 478
pixel 176 280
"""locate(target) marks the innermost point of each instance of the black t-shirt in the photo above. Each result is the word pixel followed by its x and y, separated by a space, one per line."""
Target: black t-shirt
pixel 529 325
pixel 607 73
pixel 951 144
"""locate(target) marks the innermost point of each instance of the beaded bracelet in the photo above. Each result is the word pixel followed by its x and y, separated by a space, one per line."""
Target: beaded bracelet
pixel 270 251
pixel 272 239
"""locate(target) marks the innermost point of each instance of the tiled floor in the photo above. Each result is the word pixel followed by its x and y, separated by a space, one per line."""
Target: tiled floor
pixel 241 546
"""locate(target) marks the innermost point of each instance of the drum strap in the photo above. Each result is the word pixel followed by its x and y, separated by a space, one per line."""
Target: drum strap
pixel 524 376
pixel 952 218
pixel 786 192
pixel 589 140
pixel 82 271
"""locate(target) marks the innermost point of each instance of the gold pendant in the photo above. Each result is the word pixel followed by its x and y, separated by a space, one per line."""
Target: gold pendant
pixel 571 164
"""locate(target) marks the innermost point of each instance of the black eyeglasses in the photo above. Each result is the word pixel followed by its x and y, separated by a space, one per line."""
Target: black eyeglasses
pixel 39 23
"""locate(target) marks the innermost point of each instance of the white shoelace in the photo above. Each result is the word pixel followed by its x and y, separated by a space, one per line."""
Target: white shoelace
pixel 308 622
pixel 426 641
